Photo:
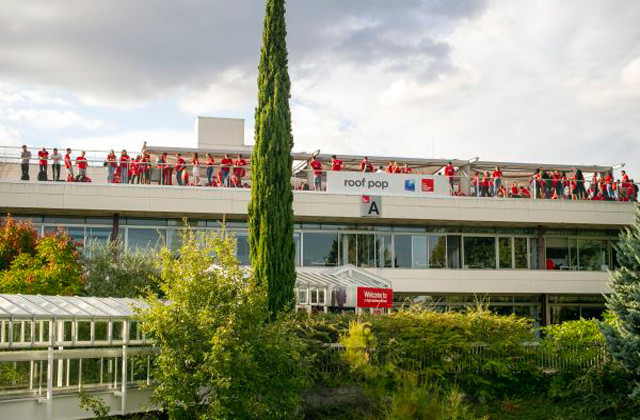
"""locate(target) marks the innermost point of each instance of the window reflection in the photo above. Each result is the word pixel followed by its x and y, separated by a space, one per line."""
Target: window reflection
pixel 479 252
pixel 320 249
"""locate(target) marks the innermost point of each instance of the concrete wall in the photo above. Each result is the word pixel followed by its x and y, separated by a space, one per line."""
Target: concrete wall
pixel 200 202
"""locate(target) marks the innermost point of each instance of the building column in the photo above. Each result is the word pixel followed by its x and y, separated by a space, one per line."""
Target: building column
pixel 544 307
pixel 542 263
pixel 115 230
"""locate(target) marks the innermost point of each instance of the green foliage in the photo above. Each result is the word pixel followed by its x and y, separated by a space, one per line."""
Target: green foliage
pixel 16 238
pixel 111 270
pixel 220 357
pixel 623 335
pixel 94 404
pixel 271 207
pixel 52 269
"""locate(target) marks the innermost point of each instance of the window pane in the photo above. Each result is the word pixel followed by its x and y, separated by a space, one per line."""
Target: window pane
pixel 557 253
pixel 98 234
pixel 573 253
pixel 75 232
pixel 520 249
pixel 144 238
pixel 384 250
pixel 366 250
pixel 504 251
pixel 592 254
pixel 437 251
pixel 402 251
pixel 453 251
pixel 242 250
pixel 320 249
pixel 348 249
pixel 296 242
pixel 533 249
pixel 419 252
pixel 479 252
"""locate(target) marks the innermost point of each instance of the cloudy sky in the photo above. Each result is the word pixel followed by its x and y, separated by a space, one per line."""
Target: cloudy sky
pixel 535 81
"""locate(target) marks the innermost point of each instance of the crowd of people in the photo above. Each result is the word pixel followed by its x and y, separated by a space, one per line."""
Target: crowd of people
pixel 194 170
pixel 125 169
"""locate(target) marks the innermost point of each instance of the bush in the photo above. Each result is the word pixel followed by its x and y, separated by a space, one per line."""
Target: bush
pixel 16 238
pixel 111 270
pixel 220 356
pixel 51 268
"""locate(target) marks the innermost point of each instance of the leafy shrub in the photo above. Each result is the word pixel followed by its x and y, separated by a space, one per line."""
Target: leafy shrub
pixel 16 238
pixel 220 355
pixel 112 270
pixel 51 268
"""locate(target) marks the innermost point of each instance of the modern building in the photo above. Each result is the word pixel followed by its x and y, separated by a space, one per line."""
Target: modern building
pixel 541 258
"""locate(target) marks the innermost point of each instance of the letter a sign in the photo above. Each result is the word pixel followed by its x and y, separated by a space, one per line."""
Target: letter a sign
pixel 371 206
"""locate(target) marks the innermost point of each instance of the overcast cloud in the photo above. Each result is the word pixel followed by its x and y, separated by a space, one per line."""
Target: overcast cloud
pixel 540 81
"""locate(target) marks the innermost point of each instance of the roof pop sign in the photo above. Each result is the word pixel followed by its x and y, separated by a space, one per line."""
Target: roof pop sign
pixel 373 297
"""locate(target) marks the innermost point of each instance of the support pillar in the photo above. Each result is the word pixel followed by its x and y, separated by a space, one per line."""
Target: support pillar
pixel 115 230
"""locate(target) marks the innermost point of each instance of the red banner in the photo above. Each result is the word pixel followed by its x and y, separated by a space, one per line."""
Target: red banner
pixel 371 297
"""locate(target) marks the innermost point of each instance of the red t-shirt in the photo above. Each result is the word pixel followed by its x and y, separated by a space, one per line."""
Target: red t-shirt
pixel 406 170
pixel 366 166
pixel 44 156
pixel 124 161
pixel 210 161
pixel 514 190
pixel 239 167
pixel 226 163
pixel 608 179
pixel 81 162
pixel 180 164
pixel 625 178
pixel 390 169
pixel 497 174
pixel 485 181
pixel 525 192
pixel 449 170
pixel 315 164
pixel 67 160
pixel 336 165
pixel 111 160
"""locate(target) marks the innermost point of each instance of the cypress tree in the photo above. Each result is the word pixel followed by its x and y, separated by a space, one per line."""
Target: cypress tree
pixel 270 210
pixel 623 334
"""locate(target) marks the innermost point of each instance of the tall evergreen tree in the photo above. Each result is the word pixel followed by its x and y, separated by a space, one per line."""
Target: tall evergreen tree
pixel 270 210
pixel 623 337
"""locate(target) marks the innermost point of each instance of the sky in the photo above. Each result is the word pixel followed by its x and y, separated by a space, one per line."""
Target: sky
pixel 528 81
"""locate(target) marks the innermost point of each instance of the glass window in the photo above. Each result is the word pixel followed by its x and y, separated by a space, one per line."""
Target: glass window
pixel 411 251
pixel 101 234
pixel 242 250
pixel 479 252
pixel 145 222
pixel 453 251
pixel 402 251
pixel 348 249
pixel 321 297
pixel 504 252
pixel 533 253
pixel 520 251
pixel 437 251
pixel 320 249
pixel 592 254
pixel 75 232
pixel 314 296
pixel 384 250
pixel 557 251
pixel 366 250
pixel 302 295
pixel 296 242
pixel 138 238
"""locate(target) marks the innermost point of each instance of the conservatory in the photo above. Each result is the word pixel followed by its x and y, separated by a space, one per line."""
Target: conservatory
pixel 54 347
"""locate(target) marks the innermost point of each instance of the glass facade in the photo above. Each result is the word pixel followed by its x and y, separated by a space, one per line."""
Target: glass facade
pixel 391 246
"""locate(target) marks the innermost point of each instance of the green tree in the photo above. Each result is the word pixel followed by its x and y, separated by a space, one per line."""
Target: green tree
pixel 111 270
pixel 16 238
pixel 270 209
pixel 623 337
pixel 53 269
pixel 220 357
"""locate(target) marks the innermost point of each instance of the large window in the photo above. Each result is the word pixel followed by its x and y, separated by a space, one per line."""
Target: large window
pixel 454 256
pixel 320 249
pixel 138 238
pixel 437 251
pixel 504 253
pixel 593 254
pixel 242 249
pixel 411 251
pixel 520 252
pixel 479 252
pixel 385 250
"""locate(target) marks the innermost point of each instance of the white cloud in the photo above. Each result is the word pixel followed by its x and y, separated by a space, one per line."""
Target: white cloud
pixel 232 91
pixel 50 119
pixel 132 140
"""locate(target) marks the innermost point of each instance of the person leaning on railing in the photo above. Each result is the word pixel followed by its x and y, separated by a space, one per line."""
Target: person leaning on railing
pixel 111 163
pixel 25 158
pixel 239 169
pixel 55 165
pixel 43 158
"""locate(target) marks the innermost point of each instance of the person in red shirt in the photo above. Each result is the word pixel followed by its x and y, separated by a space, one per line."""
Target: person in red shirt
pixel 497 180
pixel 624 177
pixel 317 174
pixel 449 172
pixel 209 164
pixel 336 164
pixel 227 163
pixel 180 165
pixel 525 192
pixel 43 158
pixel 162 165
pixel 239 170
pixel 476 184
pixel 146 167
pixel 124 167
pixel 484 190
pixel 81 162
pixel 112 163
pixel 68 165
pixel 135 169
pixel 406 169
pixel 514 191
pixel 366 165
pixel 608 180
